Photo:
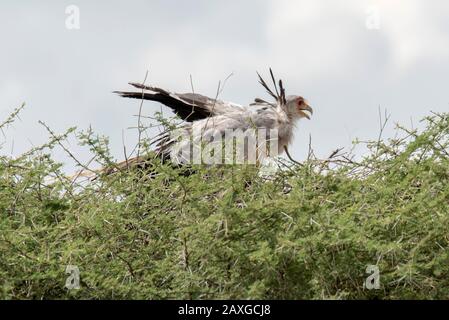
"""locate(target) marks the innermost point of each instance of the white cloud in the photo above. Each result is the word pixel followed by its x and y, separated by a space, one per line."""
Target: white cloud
pixel 415 30
pixel 323 36
pixel 314 37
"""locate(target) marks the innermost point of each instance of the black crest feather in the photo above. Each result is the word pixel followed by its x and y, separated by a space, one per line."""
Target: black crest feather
pixel 280 93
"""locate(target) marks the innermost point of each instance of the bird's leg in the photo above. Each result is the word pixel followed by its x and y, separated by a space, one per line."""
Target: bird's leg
pixel 290 157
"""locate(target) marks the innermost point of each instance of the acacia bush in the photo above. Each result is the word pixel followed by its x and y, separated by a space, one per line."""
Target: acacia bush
pixel 309 231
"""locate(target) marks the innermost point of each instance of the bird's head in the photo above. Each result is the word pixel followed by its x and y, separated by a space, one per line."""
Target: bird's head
pixel 298 107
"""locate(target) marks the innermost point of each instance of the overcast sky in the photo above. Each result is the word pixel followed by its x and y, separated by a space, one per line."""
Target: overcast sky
pixel 347 57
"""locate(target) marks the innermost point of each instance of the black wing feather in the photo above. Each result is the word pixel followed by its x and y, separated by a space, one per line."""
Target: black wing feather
pixel 186 110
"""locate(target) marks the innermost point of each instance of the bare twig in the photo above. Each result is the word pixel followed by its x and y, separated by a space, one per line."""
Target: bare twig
pixel 70 154
pixel 139 123
pixel 11 117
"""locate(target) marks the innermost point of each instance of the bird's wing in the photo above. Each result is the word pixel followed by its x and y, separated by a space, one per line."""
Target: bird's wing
pixel 216 126
pixel 188 106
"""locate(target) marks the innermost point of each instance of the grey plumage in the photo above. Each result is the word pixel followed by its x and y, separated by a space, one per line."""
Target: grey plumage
pixel 213 117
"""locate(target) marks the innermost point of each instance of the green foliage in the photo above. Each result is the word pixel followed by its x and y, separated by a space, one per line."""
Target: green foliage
pixel 308 232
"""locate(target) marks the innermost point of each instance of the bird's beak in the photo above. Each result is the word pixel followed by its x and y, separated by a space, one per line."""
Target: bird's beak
pixel 308 108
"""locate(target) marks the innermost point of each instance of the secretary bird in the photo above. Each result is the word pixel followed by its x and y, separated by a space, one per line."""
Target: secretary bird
pixel 213 117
